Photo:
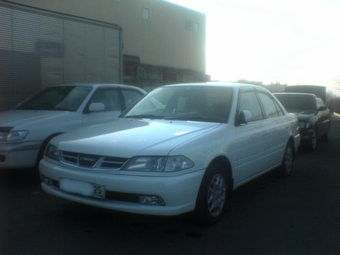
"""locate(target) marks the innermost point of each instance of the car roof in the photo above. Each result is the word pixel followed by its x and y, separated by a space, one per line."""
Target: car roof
pixel 94 85
pixel 219 84
pixel 295 94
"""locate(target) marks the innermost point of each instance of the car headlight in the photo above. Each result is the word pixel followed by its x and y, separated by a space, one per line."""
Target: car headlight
pixel 303 124
pixel 52 152
pixel 13 135
pixel 158 163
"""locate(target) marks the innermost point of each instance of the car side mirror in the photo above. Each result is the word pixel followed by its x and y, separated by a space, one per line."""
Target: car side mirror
pixel 96 107
pixel 244 117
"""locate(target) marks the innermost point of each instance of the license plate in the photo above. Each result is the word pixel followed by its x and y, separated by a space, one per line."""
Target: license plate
pixel 82 188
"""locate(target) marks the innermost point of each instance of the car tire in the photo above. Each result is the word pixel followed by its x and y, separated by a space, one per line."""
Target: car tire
pixel 325 136
pixel 212 196
pixel 314 141
pixel 287 161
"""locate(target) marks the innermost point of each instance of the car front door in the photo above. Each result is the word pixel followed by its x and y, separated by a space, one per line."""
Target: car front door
pixel 278 129
pixel 131 96
pixel 251 137
pixel 261 141
pixel 104 105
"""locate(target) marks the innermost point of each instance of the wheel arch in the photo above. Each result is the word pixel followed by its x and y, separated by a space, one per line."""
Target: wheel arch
pixel 291 141
pixel 225 163
pixel 43 146
pixel 210 199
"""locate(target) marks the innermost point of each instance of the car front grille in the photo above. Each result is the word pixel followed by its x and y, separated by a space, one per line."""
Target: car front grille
pixel 91 161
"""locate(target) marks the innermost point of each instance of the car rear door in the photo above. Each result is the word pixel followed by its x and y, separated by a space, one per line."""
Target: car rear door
pixel 278 130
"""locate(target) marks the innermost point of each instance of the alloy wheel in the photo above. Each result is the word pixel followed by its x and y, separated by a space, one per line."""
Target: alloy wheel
pixel 216 195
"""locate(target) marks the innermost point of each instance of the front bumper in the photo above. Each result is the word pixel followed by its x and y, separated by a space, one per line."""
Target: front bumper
pixel 19 154
pixel 307 136
pixel 178 192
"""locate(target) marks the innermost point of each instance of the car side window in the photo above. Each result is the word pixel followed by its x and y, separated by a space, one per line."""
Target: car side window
pixel 248 101
pixel 131 96
pixel 279 109
pixel 319 102
pixel 109 97
pixel 269 106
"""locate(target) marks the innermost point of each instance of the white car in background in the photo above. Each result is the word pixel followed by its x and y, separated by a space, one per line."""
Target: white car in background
pixel 182 148
pixel 25 130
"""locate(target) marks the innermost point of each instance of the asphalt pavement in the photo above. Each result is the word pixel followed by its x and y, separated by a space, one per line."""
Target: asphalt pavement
pixel 295 215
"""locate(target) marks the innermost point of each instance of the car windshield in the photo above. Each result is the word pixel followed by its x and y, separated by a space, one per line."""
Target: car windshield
pixel 196 103
pixel 62 98
pixel 297 103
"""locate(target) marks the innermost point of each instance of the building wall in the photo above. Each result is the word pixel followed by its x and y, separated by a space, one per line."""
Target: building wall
pixel 168 38
pixel 41 48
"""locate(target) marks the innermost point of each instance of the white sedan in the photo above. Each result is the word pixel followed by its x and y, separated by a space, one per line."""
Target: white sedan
pixel 26 130
pixel 182 148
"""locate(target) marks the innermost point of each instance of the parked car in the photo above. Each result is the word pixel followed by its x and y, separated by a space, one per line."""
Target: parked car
pixel 313 115
pixel 182 148
pixel 26 130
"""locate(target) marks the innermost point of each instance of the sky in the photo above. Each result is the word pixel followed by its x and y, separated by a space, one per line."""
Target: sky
pixel 294 42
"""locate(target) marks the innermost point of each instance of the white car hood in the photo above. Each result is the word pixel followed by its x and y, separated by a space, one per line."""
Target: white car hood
pixel 22 118
pixel 128 137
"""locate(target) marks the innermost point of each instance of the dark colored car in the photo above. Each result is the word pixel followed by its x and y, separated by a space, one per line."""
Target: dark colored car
pixel 313 115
